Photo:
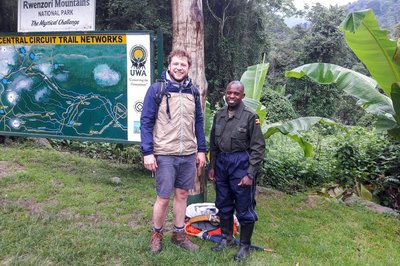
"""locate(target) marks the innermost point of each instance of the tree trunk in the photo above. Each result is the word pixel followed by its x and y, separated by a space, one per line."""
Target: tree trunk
pixel 188 34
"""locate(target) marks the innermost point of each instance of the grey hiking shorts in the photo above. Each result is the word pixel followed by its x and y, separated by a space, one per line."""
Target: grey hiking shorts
pixel 174 172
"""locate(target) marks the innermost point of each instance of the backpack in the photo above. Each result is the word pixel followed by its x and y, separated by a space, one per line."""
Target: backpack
pixel 161 92
pixel 202 221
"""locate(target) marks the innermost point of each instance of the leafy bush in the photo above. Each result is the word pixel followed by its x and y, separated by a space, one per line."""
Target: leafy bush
pixel 123 153
pixel 348 112
pixel 310 99
pixel 285 167
pixel 356 154
pixel 279 108
pixel 367 120
pixel 385 180
pixel 372 159
pixel 345 157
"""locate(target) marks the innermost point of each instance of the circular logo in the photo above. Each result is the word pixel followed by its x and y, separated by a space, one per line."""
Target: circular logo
pixel 138 55
pixel 138 106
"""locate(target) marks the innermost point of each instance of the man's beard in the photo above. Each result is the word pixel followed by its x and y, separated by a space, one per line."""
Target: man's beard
pixel 177 80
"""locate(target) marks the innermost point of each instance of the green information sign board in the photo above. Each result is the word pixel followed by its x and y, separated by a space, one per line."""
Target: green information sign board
pixel 75 86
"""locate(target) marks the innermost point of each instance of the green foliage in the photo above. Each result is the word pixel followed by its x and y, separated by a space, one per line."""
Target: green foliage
pixel 285 167
pixel 294 128
pixel 133 15
pixel 286 49
pixel 122 153
pixel 355 84
pixel 378 53
pixel 236 37
pixel 345 156
pixel 310 99
pixel 323 42
pixel 359 155
pixel 254 77
pixel 367 120
pixel 386 184
pixel 278 107
pixel 373 47
pixel 369 160
pixel 348 161
pixel 348 112
pixel 253 80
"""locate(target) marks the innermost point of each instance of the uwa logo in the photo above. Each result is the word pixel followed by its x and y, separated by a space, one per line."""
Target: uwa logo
pixel 138 55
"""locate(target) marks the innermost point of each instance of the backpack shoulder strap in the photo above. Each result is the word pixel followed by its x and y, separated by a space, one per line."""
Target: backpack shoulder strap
pixel 162 84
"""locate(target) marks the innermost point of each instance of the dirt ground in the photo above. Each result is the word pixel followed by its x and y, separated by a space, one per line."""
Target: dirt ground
pixel 9 167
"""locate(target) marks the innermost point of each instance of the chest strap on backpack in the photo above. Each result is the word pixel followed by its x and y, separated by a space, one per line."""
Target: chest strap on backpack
pixel 168 96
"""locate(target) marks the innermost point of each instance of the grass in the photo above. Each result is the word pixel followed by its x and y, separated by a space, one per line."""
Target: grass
pixel 64 209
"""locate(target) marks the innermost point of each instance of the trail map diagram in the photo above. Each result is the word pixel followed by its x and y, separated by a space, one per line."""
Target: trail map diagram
pixel 64 90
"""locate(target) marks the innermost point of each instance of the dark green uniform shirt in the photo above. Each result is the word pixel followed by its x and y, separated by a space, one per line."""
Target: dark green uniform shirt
pixel 242 132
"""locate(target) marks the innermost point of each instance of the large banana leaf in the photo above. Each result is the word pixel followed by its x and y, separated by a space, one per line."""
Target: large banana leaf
pixel 355 84
pixel 253 80
pixel 373 47
pixel 258 107
pixel 292 129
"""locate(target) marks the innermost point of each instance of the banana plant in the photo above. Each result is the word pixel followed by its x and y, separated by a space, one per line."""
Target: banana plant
pixel 379 54
pixel 253 79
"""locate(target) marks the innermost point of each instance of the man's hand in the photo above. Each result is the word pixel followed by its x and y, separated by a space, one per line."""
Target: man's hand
pixel 246 182
pixel 200 160
pixel 150 162
pixel 211 175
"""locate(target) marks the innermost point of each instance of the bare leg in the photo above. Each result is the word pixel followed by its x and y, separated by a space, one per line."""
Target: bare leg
pixel 160 211
pixel 179 207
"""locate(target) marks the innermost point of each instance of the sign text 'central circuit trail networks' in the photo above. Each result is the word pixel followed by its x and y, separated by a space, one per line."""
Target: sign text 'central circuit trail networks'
pixel 65 39
pixel 64 90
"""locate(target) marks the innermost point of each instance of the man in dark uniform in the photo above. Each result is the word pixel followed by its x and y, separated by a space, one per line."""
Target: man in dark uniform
pixel 236 151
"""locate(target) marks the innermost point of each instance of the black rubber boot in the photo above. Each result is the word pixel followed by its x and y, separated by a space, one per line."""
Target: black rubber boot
pixel 227 235
pixel 246 231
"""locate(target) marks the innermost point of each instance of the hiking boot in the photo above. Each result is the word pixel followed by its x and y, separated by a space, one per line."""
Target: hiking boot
pixel 223 243
pixel 227 234
pixel 181 239
pixel 246 232
pixel 156 242
pixel 243 252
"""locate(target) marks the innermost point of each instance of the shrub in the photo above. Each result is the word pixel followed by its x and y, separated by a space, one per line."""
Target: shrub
pixel 348 112
pixel 285 168
pixel 356 154
pixel 123 153
pixel 279 108
pixel 343 157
